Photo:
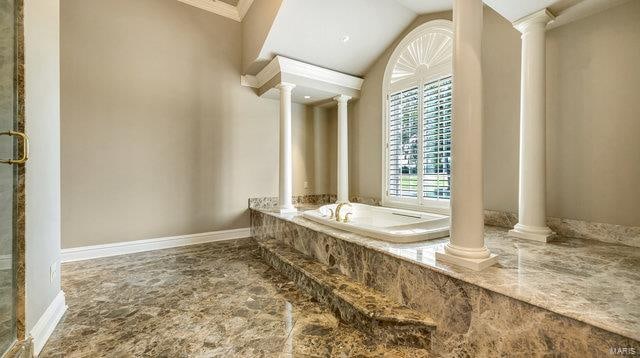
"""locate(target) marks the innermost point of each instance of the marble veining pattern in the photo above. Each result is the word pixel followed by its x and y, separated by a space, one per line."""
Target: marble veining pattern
pixel 500 218
pixel 316 199
pixel 579 229
pixel 611 233
pixel 272 202
pixel 210 300
pixel 364 308
pixel 616 234
pixel 586 280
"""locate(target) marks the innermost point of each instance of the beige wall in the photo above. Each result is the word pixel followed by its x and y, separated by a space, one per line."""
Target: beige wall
pixel 158 136
pixel 593 121
pixel 501 85
pixel 593 117
pixel 321 160
pixel 42 182
pixel 255 28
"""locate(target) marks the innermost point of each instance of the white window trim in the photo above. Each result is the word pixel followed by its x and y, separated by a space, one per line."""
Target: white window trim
pixel 444 70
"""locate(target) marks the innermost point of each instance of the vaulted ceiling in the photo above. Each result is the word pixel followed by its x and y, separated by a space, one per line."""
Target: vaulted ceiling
pixel 345 36
pixel 349 35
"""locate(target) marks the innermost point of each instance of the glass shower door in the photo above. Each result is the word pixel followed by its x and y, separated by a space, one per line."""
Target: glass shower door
pixel 8 140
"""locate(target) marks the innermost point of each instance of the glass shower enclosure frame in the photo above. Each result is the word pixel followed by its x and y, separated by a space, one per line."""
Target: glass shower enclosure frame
pixel 13 155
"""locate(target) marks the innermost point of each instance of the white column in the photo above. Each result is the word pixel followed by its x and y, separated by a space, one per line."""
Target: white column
pixel 532 199
pixel 466 245
pixel 343 148
pixel 286 171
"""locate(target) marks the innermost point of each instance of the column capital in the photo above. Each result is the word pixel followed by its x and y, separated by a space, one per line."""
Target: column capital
pixel 342 98
pixel 285 86
pixel 540 18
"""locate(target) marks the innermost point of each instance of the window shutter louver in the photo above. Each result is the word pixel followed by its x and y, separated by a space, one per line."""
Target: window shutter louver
pixel 436 179
pixel 403 143
pixel 417 89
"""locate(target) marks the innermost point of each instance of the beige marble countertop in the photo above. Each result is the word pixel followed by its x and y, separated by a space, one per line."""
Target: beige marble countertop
pixel 590 281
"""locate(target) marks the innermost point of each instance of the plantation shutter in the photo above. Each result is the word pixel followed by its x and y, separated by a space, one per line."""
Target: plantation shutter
pixel 436 179
pixel 403 143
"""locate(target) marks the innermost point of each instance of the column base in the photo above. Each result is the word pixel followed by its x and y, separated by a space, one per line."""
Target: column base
pixel 533 233
pixel 287 210
pixel 473 264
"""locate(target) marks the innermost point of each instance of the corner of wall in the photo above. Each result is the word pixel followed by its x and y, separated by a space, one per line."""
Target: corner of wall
pixel 42 123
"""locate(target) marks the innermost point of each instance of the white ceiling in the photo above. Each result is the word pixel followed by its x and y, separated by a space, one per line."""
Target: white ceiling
pixel 512 10
pixel 313 32
pixel 427 6
pixel 515 10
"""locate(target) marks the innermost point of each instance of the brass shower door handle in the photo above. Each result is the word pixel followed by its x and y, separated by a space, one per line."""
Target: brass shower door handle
pixel 25 148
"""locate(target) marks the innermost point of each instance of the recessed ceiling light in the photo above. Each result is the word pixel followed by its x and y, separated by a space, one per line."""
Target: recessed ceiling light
pixel 346 38
pixel 307 97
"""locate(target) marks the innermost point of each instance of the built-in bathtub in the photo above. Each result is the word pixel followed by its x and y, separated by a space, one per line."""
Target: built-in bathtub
pixel 388 224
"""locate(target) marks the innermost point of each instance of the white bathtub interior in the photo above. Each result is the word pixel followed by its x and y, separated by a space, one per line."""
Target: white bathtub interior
pixel 388 224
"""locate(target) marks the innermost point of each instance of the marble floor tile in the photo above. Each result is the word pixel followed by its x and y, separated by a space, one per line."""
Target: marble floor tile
pixel 211 300
pixel 6 309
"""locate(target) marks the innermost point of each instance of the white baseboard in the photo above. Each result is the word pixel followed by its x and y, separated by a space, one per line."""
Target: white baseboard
pixel 130 247
pixel 6 262
pixel 42 330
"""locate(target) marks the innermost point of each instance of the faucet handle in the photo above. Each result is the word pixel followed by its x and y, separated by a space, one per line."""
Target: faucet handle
pixel 347 217
pixel 332 214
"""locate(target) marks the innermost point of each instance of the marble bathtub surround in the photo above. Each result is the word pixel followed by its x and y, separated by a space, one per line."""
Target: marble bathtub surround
pixel 356 304
pixel 272 202
pixel 318 199
pixel 211 300
pixel 579 229
pixel 500 218
pixel 543 299
pixel 611 233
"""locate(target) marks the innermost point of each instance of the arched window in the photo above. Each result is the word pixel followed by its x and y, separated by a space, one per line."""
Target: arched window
pixel 417 115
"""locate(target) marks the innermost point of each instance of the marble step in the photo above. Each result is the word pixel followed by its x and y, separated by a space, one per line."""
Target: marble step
pixel 354 303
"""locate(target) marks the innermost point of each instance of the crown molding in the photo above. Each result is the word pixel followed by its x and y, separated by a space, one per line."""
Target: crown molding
pixel 541 17
pixel 342 98
pixel 292 67
pixel 243 7
pixel 581 10
pixel 221 8
pixel 249 81
pixel 302 69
